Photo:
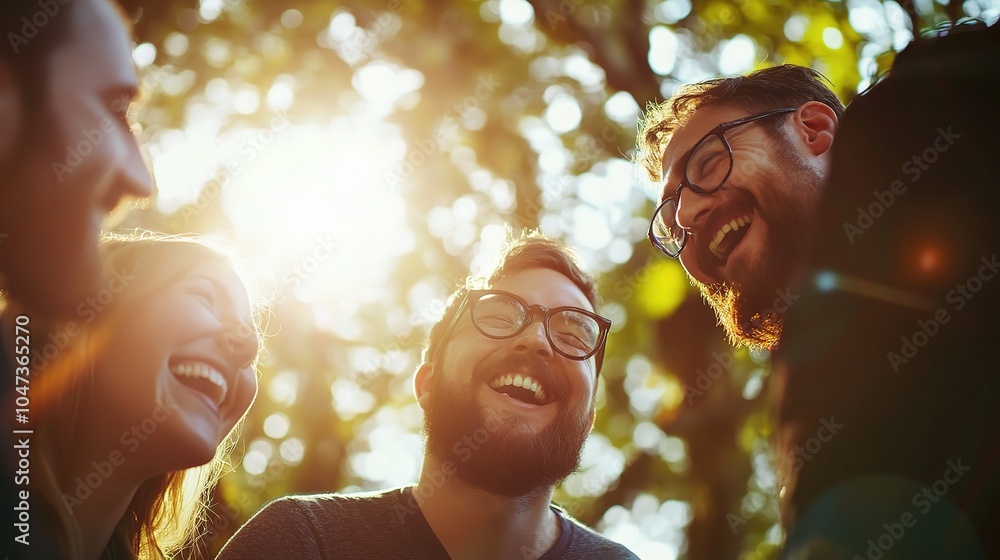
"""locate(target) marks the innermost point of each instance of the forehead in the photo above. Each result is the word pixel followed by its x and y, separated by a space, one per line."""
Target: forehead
pixel 99 51
pixel 685 137
pixel 544 287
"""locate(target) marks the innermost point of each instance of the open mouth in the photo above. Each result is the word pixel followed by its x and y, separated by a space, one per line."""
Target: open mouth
pixel 521 387
pixel 729 236
pixel 201 377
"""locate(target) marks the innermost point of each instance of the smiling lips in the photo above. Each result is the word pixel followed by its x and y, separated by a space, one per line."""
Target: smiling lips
pixel 203 378
pixel 728 236
pixel 521 387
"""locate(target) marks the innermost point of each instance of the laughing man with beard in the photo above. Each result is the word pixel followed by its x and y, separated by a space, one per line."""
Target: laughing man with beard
pixel 871 259
pixel 743 162
pixel 507 387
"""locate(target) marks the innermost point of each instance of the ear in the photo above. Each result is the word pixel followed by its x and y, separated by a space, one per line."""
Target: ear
pixel 10 110
pixel 421 383
pixel 815 125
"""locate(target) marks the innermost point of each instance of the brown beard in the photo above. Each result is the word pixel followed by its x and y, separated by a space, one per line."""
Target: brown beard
pixel 503 460
pixel 757 330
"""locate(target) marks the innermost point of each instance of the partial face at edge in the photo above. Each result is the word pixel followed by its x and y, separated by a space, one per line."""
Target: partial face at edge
pixel 72 173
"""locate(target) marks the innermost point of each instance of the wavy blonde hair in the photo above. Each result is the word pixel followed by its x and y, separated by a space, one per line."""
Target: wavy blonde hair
pixel 166 512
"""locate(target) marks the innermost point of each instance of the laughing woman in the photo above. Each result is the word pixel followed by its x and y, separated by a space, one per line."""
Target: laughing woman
pixel 137 414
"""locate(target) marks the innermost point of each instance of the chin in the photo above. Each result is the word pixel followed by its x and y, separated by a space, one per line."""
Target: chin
pixel 194 455
pixel 55 286
pixel 747 311
pixel 194 447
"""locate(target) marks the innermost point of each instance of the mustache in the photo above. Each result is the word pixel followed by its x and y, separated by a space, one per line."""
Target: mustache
pixel 532 364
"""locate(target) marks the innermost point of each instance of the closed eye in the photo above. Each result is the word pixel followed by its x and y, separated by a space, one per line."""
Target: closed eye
pixel 711 163
pixel 204 295
pixel 203 289
pixel 573 340
pixel 496 320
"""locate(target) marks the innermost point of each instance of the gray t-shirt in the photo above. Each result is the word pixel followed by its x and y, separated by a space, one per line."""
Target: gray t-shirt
pixel 385 525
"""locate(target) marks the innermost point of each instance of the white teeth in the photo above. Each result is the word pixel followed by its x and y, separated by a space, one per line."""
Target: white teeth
pixel 522 381
pixel 203 371
pixel 733 225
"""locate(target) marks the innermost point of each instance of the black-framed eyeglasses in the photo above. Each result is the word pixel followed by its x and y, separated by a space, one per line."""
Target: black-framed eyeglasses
pixel 706 168
pixel 572 332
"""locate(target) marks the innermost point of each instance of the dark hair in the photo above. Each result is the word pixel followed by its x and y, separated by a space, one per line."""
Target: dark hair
pixel 28 57
pixel 532 250
pixel 781 86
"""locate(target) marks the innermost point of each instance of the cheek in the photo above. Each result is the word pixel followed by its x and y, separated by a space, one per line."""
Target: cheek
pixel 245 395
pixel 72 117
pixel 464 353
pixel 745 176
pixel 129 362
pixel 127 386
pixel 136 342
pixel 90 146
pixel 583 384
pixel 749 166
pixel 690 263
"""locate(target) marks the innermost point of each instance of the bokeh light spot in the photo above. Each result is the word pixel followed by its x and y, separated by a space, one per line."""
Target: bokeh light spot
pixel 661 287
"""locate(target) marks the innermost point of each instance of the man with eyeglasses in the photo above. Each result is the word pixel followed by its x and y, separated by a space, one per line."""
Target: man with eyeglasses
pixel 883 384
pixel 508 389
pixel 743 162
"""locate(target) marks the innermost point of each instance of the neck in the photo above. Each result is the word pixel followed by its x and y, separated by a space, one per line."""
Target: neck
pixel 97 487
pixel 472 523
pixel 96 476
pixel 98 517
pixel 97 481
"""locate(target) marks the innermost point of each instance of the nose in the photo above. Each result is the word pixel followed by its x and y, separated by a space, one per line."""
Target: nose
pixel 240 342
pixel 137 180
pixel 533 340
pixel 693 207
pixel 131 174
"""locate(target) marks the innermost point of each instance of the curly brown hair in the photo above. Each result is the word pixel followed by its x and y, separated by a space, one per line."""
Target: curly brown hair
pixel 781 86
